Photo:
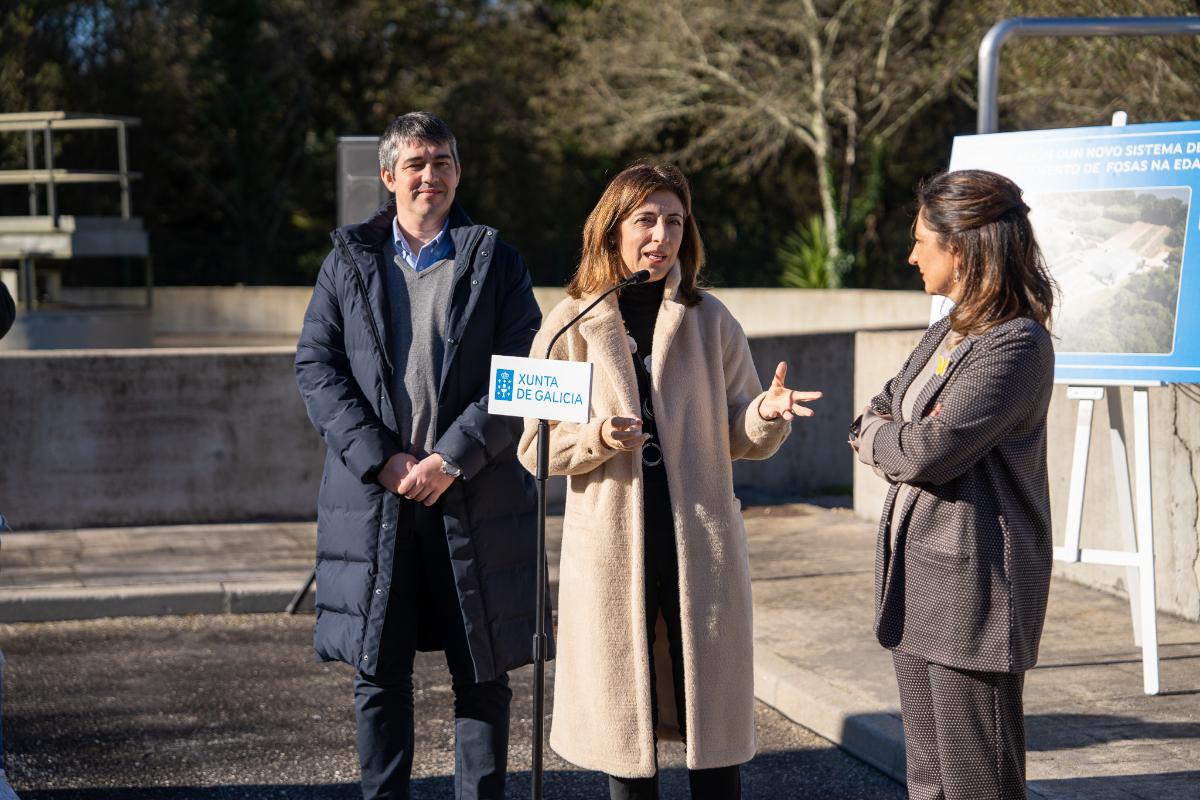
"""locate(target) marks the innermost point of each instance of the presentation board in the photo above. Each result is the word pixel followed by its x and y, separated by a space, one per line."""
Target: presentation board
pixel 1115 210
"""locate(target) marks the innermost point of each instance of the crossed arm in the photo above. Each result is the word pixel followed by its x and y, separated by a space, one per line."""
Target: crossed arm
pixel 1002 386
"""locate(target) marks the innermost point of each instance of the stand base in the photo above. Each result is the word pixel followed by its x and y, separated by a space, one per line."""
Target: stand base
pixel 1136 521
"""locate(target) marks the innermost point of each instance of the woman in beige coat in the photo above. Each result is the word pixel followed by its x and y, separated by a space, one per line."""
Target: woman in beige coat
pixel 654 617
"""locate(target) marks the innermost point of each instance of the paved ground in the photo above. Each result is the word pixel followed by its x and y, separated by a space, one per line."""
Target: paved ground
pixel 232 706
pixel 181 569
pixel 1092 732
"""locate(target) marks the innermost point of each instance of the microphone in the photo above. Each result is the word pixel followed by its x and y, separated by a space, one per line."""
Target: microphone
pixel 641 276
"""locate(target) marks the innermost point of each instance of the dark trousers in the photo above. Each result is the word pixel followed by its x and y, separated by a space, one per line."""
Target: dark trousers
pixel 964 731
pixel 662 596
pixel 423 589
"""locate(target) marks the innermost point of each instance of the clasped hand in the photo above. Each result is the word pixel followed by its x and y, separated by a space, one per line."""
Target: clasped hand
pixel 419 480
pixel 784 402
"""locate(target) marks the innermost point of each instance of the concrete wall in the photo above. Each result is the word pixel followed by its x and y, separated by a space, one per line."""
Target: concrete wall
pixel 1174 464
pixel 98 329
pixel 206 314
pixel 814 460
pixel 185 316
pixel 145 437
pixel 878 354
pixel 775 312
pixel 134 437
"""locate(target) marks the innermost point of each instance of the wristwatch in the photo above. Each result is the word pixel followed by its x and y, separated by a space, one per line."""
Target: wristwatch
pixel 450 468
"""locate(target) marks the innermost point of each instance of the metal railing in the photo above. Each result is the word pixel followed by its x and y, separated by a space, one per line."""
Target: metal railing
pixel 1023 27
pixel 59 236
pixel 47 123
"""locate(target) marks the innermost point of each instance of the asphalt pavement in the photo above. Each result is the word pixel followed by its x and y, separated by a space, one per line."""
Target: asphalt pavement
pixel 232 707
pixel 1092 733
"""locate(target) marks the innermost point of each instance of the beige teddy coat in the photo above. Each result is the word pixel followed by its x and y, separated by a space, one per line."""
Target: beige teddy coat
pixel 706 395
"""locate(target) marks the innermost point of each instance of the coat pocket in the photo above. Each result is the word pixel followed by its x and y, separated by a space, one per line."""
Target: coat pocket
pixel 947 612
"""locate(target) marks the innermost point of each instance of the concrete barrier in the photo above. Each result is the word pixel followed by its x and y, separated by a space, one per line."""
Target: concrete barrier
pixel 152 437
pixel 206 316
pixel 48 329
pixel 814 460
pixel 132 437
pixel 1175 468
pixel 787 312
pixel 214 315
pixel 878 355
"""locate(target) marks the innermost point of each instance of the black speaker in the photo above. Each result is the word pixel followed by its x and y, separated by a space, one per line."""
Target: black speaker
pixel 359 188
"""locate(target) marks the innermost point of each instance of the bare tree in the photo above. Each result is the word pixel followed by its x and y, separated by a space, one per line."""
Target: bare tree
pixel 736 84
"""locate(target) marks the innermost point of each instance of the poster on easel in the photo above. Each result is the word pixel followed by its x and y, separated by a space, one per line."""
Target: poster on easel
pixel 1117 213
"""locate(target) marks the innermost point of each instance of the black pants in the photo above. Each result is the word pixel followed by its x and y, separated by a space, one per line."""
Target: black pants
pixel 423 589
pixel 964 731
pixel 662 595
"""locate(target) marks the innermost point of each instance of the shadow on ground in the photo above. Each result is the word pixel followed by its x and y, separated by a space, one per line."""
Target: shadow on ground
pixel 1121 787
pixel 1046 732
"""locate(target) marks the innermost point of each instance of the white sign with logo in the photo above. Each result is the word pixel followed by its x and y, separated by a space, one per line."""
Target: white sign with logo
pixel 540 388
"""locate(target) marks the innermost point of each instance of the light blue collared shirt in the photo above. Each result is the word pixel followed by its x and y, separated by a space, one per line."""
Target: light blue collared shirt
pixel 438 248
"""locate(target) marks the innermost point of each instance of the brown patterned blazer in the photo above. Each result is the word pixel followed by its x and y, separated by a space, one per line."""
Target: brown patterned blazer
pixel 966 583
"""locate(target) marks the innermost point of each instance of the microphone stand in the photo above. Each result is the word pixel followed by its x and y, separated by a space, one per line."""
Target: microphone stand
pixel 540 643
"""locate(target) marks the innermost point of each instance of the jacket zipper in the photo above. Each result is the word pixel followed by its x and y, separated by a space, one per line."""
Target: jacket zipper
pixel 362 287
pixel 474 246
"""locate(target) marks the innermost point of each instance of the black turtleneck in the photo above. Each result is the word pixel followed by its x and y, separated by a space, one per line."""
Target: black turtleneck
pixel 639 306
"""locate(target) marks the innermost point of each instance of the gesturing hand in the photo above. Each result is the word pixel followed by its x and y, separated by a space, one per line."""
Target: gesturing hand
pixel 623 433
pixel 425 482
pixel 784 402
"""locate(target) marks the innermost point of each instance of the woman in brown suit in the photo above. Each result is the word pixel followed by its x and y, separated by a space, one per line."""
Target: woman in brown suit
pixel 654 614
pixel 963 561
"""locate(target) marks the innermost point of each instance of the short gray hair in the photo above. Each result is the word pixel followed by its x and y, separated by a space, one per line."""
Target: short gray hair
pixel 415 126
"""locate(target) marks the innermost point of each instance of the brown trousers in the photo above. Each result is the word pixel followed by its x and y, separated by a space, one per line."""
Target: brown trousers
pixel 964 731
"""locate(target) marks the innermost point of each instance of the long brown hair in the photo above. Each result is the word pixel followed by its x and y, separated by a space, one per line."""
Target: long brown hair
pixel 980 217
pixel 600 265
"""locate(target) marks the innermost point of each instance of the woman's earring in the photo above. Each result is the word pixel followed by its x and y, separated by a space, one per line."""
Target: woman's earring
pixel 956 274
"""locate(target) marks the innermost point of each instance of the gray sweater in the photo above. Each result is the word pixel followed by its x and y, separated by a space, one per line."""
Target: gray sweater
pixel 419 304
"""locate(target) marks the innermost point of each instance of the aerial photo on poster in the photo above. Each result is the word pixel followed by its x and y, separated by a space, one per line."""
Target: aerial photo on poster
pixel 1112 209
pixel 1116 255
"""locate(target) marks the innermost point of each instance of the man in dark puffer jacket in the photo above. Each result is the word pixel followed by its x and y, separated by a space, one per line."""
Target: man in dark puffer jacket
pixel 426 526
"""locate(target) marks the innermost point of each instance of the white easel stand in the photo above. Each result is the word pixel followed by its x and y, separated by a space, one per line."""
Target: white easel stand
pixel 1137 535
